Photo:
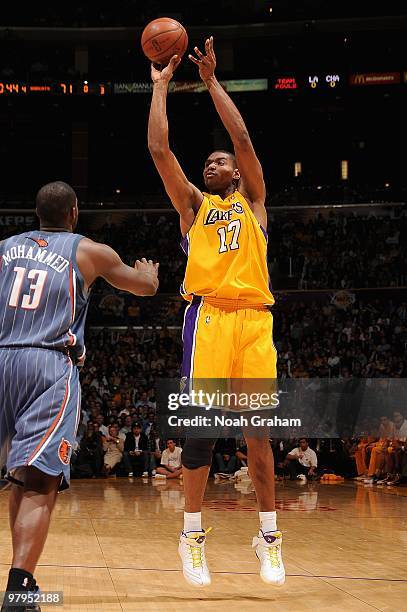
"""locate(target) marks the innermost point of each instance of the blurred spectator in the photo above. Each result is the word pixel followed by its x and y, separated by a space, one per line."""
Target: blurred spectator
pixel 170 465
pixel 136 451
pixel 127 425
pixel 302 461
pixel 88 461
pixel 225 455
pixel 378 450
pixel 113 446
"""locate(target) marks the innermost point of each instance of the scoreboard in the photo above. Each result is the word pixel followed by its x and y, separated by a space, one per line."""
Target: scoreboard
pixel 65 88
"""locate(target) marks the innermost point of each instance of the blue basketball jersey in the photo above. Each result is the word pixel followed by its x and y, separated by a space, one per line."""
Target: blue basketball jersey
pixel 42 298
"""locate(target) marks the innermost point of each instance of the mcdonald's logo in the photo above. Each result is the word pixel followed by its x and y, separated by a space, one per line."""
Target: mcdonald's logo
pixel 359 79
pixel 375 78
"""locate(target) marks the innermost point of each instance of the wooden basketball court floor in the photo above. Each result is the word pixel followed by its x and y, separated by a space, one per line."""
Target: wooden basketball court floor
pixel 113 547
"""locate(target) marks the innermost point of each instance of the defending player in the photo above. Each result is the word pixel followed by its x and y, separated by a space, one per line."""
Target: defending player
pixel 45 277
pixel 227 328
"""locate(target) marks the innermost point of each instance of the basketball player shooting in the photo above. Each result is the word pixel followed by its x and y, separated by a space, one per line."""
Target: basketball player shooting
pixel 228 326
pixel 45 279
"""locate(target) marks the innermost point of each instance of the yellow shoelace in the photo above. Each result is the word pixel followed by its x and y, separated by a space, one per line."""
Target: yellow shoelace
pixel 197 551
pixel 273 555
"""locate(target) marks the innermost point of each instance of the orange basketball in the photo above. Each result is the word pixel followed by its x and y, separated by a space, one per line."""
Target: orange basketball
pixel 163 38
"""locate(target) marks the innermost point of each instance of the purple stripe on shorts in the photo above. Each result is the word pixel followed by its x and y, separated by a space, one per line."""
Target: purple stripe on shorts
pixel 188 335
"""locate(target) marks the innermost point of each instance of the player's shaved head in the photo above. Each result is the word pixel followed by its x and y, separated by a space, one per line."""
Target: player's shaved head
pixel 54 203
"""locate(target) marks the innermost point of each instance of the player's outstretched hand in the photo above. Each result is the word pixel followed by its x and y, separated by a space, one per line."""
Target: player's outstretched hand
pixel 166 73
pixel 206 63
pixel 148 268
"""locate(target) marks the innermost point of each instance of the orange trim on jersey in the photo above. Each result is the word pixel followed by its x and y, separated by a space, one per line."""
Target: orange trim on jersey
pixel 71 291
pixel 53 425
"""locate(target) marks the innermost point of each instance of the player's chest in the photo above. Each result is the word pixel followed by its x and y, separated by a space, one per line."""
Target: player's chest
pixel 225 226
pixel 221 215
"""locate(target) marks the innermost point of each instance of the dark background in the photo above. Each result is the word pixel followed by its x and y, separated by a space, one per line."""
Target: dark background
pixel 99 143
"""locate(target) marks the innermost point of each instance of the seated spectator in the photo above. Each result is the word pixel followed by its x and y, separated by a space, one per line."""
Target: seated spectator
pixel 136 453
pixel 88 461
pixel 361 458
pixel 378 450
pixel 113 446
pixel 127 425
pixel 225 455
pixel 150 423
pixel 302 461
pixel 395 450
pixel 401 479
pixel 170 465
pixel 100 420
pixel 241 455
pixel 242 458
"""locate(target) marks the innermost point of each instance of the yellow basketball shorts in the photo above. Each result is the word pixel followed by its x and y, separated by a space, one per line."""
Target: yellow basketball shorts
pixel 223 339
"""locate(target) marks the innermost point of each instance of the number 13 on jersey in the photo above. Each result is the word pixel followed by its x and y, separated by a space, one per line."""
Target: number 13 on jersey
pixel 31 300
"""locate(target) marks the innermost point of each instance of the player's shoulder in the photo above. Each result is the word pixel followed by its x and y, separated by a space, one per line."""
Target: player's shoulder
pixel 88 245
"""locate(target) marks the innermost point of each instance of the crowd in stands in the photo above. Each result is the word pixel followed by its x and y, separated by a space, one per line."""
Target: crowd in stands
pixel 342 334
pixel 308 251
pixel 314 339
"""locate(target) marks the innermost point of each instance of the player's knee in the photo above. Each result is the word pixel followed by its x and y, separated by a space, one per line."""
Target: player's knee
pixel 197 453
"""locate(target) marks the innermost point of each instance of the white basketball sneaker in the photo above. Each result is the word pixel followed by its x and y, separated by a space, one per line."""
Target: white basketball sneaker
pixel 191 549
pixel 268 551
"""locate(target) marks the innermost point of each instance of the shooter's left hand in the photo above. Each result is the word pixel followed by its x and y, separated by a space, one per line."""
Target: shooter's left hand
pixel 206 63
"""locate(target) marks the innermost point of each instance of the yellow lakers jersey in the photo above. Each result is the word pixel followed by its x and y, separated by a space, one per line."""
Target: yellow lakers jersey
pixel 227 253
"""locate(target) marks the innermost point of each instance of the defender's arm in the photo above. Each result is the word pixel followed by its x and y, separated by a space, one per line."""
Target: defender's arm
pixel 95 259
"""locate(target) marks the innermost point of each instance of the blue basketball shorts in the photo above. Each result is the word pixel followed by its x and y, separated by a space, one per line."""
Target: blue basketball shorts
pixel 39 411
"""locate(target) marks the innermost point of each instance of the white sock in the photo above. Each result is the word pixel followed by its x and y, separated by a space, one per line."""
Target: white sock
pixel 192 521
pixel 268 521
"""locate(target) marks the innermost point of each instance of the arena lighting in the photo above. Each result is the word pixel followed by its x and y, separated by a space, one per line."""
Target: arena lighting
pixel 344 169
pixel 297 169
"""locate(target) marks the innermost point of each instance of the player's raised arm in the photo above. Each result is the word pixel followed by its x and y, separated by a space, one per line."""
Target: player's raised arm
pixel 247 161
pixel 95 259
pixel 185 197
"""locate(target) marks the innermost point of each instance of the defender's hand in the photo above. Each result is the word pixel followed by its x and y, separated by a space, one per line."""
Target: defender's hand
pixel 206 63
pixel 147 267
pixel 165 74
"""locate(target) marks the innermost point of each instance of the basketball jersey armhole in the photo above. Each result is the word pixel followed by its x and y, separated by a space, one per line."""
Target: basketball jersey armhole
pixel 195 218
pixel 81 282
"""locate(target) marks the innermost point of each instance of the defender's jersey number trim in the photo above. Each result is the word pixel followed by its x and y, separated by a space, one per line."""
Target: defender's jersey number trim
pixel 31 300
pixel 234 226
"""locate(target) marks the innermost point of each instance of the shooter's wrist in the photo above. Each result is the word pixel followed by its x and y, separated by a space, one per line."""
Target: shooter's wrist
pixel 161 85
pixel 211 82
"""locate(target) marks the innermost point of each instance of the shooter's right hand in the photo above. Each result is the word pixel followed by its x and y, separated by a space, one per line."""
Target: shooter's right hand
pixel 165 74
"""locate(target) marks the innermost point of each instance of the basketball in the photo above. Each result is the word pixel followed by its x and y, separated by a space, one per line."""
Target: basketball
pixel 163 38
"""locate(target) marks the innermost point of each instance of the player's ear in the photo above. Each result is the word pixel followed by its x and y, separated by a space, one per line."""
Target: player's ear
pixel 236 175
